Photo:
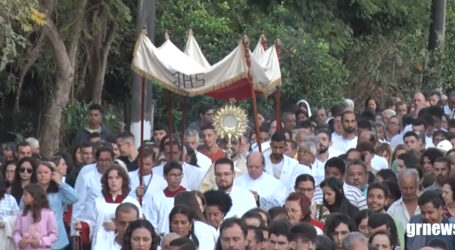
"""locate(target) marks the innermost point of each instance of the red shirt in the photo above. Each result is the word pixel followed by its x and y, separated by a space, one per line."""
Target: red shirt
pixel 169 193
pixel 215 156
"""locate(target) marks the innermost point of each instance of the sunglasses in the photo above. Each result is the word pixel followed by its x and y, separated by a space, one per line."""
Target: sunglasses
pixel 29 170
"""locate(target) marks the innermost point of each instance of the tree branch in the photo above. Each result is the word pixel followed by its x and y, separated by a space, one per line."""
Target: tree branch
pixel 33 56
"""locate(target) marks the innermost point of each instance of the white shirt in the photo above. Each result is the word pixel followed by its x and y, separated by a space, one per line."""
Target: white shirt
pixel 343 145
pixel 353 194
pixel 242 201
pixel 87 168
pixel 157 211
pixel 318 168
pixel 379 162
pixel 88 186
pixel 203 161
pixel 99 212
pixel 291 169
pixel 152 182
pixel 192 175
pixel 205 234
pixel 400 213
pixel 270 190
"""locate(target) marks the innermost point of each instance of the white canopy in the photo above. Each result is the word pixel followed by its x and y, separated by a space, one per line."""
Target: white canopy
pixel 188 73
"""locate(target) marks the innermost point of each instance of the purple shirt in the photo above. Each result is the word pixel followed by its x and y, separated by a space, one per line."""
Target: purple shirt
pixel 45 230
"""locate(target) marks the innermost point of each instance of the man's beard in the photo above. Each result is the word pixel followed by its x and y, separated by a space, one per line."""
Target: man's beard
pixel 349 130
pixel 226 187
pixel 323 149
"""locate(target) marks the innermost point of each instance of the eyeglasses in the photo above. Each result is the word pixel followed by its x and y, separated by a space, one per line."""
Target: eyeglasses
pixel 29 170
pixel 176 175
pixel 304 190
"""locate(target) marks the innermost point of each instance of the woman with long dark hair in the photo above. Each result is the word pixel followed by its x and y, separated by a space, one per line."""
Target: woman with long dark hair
pixel 25 175
pixel 334 199
pixel 140 235
pixel 8 173
pixel 115 189
pixel 181 221
pixel 59 195
pixel 204 232
pixel 35 228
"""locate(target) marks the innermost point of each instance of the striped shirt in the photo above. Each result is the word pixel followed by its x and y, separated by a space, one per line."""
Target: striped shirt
pixel 353 194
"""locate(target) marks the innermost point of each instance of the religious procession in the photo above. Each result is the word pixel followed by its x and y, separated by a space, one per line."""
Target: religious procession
pixel 293 145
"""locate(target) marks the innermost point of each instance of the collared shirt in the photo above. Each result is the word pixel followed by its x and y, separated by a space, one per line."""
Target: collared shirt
pixel 353 194
pixel 399 212
pixel 8 206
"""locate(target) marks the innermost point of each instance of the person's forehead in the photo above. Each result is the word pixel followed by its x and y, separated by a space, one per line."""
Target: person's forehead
pixel 305 183
pixel 223 167
pixel 232 230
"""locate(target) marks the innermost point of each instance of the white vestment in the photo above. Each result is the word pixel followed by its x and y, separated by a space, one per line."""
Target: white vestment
pixel 88 186
pixel 242 201
pixel 192 175
pixel 205 234
pixel 271 191
pixel 100 212
pixel 203 161
pixel 157 210
pixel 289 172
pixel 156 184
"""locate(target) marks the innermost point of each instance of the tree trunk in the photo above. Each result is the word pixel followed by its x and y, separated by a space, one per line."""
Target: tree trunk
pixel 437 26
pixel 49 133
pixel 145 17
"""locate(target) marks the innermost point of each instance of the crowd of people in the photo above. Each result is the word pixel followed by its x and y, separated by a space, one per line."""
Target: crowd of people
pixel 346 178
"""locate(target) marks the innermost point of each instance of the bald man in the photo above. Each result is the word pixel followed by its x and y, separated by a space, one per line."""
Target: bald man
pixel 268 191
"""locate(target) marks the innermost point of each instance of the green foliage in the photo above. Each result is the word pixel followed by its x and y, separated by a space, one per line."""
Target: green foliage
pixel 75 117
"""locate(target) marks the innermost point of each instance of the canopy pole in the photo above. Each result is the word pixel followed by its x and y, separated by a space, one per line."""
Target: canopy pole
pixel 278 90
pixel 185 111
pixel 246 46
pixel 141 149
pixel 171 140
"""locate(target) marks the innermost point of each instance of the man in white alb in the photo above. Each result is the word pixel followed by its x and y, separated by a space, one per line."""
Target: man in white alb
pixel 268 191
pixel 242 199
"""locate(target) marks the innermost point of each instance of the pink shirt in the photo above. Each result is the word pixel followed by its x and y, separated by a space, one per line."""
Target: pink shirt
pixel 45 230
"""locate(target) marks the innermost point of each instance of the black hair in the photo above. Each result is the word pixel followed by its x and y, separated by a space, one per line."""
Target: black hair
pixel 125 135
pixel 438 243
pixel 171 165
pixel 16 187
pixel 95 106
pixel 336 162
pixel 207 127
pixel 431 196
pixel 105 147
pixel 218 198
pixel 303 230
pixel 224 160
pixel 136 225
pixel 394 189
pixel 253 215
pixel 278 136
pixel 188 199
pixel 387 175
pixel 432 154
pixel 204 108
pixel 161 126
pixel 411 133
pixel 304 177
pixel 324 242
pixel 365 124
pixel 362 214
pixel 451 183
pixel 185 210
pixel 378 219
pixel 183 244
pixel 281 228
pixel 276 211
pixel 334 220
pixel 379 186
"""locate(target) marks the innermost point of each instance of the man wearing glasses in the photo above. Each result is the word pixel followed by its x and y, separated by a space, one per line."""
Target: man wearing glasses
pixel 206 113
pixel 242 199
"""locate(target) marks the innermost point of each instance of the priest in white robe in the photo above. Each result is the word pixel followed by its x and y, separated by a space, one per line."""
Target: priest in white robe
pixel 88 186
pixel 242 199
pixel 268 191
